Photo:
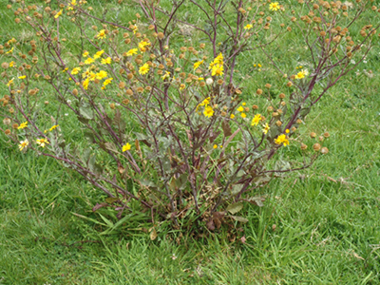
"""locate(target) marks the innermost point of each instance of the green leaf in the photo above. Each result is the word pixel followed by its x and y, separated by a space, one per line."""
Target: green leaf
pixel 236 189
pixel 111 200
pixel 240 219
pixel 234 208
pixel 86 111
pixel 257 200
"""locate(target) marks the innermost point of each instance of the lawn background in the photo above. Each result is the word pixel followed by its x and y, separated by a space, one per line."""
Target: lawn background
pixel 326 218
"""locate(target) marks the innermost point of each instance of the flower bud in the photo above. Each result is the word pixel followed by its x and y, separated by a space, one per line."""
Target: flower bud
pixel 317 147
pixel 259 91
pixel 129 92
pixel 303 146
pixel 324 150
pixel 313 135
pixel 321 138
pixel 7 121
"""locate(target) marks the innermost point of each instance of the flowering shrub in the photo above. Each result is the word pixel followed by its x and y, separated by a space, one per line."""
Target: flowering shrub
pixel 167 130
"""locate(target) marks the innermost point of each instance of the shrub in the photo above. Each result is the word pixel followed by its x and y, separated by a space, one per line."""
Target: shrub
pixel 167 130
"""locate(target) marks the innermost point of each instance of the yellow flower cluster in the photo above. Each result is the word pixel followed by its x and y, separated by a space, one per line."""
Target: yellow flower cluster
pixel 216 66
pixel 88 75
pixel 282 139
pixel 302 74
pixel 208 110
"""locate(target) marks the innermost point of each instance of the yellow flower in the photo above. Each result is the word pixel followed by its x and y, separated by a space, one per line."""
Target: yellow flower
pixel 274 6
pixel 256 120
pixel 85 54
pixel 217 70
pixel 10 51
pixel 300 75
pixel 89 60
pixel 42 142
pixel 85 83
pixel 132 52
pixel 53 127
pixel 58 14
pixel 287 131
pixel 142 45
pixel 22 77
pixel 75 70
pixel 232 116
pixel 135 29
pixel 208 112
pixel 248 27
pixel 244 103
pixel 166 75
pixel 10 82
pixel 98 54
pixel 72 4
pixel 23 144
pixel 23 125
pixel 101 35
pixel 266 128
pixel 144 69
pixel 282 139
pixel 215 146
pixel 11 64
pixel 106 60
pixel 107 81
pixel 126 147
pixel 101 74
pixel 86 73
pixel 240 109
pixel 243 115
pixel 205 102
pixel 197 64
pixel 217 61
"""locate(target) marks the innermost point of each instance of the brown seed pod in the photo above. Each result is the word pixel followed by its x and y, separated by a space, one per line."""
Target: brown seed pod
pixel 317 147
pixel 324 150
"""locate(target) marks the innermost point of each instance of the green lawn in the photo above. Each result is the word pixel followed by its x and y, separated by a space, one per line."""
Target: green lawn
pixel 318 226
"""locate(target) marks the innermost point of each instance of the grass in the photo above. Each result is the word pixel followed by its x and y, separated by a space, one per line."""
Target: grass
pixel 318 226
